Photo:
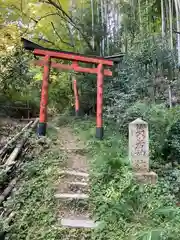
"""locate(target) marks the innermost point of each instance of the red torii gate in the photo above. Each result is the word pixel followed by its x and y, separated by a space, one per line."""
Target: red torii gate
pixel 48 55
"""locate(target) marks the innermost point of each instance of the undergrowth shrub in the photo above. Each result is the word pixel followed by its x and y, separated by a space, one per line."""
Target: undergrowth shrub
pixel 128 211
pixel 171 178
pixel 33 201
pixel 125 209
pixel 163 128
pixel 140 89
pixel 171 148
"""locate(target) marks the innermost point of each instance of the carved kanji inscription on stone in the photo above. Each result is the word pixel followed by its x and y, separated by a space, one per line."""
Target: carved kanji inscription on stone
pixel 140 141
pixel 139 145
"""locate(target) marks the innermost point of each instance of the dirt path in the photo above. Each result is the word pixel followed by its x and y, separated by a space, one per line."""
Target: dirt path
pixel 74 147
pixel 72 189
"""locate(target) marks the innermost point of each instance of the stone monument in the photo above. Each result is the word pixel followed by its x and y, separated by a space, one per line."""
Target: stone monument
pixel 139 151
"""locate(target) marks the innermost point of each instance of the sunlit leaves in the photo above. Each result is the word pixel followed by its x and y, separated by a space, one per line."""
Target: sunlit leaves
pixel 34 19
pixel 9 37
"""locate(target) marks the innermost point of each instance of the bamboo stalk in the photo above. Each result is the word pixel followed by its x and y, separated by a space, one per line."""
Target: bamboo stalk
pixel 34 123
pixel 171 24
pixel 10 217
pixel 15 153
pixel 92 20
pixel 11 159
pixel 3 150
pixel 8 190
pixel 178 28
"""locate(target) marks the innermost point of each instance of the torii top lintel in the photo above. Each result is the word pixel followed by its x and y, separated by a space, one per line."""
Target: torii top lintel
pixel 41 51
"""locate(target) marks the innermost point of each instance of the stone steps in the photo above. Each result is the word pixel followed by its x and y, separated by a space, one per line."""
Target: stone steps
pixel 71 196
pixel 72 187
pixel 81 184
pixel 80 151
pixel 78 223
pixel 74 173
pixel 68 217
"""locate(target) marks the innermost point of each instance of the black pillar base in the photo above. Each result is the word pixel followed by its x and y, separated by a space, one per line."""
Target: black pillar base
pixel 41 131
pixel 99 133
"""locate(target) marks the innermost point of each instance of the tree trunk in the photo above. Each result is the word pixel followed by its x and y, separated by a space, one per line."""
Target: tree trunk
pixel 162 19
pixel 92 13
pixel 170 24
pixel 178 28
pixel 140 18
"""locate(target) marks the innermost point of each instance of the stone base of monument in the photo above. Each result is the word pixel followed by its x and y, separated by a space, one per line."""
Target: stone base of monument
pixel 146 177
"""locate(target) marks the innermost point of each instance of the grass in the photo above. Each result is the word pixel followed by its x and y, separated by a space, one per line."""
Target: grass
pixel 125 210
pixel 33 201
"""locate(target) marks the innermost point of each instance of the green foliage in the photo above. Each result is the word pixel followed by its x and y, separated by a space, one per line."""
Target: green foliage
pixel 42 21
pixel 171 149
pixel 16 83
pixel 127 210
pixel 139 88
pixel 163 128
pixel 33 201
pixel 143 75
pixel 171 177
pixel 21 84
pixel 10 37
pixel 87 91
pixel 60 92
pixel 15 75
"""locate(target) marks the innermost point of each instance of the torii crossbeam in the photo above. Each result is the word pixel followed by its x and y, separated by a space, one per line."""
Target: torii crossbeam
pixel 47 62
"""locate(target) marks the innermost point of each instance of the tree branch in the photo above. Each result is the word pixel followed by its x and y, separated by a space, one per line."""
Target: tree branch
pixel 26 30
pixel 47 15
pixel 48 41
pixel 59 7
pixel 34 20
pixel 66 17
pixel 44 40
pixel 69 44
pixel 79 30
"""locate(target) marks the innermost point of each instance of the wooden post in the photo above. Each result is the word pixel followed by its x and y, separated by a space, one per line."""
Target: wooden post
pixel 76 98
pixel 99 112
pixel 44 98
pixel 139 151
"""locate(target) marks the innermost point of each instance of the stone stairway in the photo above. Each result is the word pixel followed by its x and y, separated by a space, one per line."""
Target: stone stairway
pixel 78 223
pixel 72 193
pixel 72 188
